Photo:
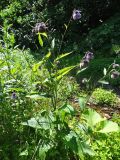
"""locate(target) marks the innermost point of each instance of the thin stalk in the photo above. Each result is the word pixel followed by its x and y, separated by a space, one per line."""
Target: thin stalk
pixel 66 28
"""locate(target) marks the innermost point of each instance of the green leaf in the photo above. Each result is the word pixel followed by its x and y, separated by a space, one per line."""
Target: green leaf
pixel 31 123
pixel 63 72
pixel 67 109
pixel 35 96
pixel 65 26
pixel 44 34
pixel 53 43
pixel 105 71
pixel 109 126
pixel 82 102
pixel 92 117
pixel 81 70
pixel 40 40
pixel 43 150
pixel 24 153
pixel 62 56
pixel 103 82
pixel 87 149
pixel 39 64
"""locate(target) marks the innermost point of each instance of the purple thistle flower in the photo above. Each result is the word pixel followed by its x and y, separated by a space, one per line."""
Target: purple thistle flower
pixel 89 55
pixel 114 65
pixel 40 27
pixel 115 74
pixel 13 96
pixel 76 14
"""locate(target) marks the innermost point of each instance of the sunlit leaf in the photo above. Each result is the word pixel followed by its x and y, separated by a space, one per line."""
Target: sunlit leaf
pixel 53 43
pixel 65 26
pixel 81 70
pixel 82 102
pixel 44 34
pixel 24 153
pixel 105 71
pixel 63 72
pixel 103 82
pixel 40 40
pixel 109 126
pixel 92 117
pixel 62 56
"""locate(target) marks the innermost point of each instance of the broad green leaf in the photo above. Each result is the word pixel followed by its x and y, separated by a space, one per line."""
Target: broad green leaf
pixel 82 102
pixel 62 56
pixel 87 149
pixel 109 126
pixel 65 109
pixel 92 117
pixel 40 40
pixel 43 150
pixel 31 123
pixel 70 141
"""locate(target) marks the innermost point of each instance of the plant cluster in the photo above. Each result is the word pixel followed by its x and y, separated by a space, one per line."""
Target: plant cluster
pixel 103 97
pixel 37 120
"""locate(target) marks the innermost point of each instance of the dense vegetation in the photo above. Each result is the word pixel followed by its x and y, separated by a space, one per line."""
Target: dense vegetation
pixel 59 80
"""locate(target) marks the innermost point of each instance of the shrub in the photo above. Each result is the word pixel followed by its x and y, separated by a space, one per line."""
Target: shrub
pixel 104 97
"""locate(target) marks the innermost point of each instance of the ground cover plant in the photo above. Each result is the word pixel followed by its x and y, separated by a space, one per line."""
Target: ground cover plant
pixel 38 120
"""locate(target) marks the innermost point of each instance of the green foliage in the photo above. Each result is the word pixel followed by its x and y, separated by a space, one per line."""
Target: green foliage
pixel 106 147
pixel 104 38
pixel 25 14
pixel 104 97
pixel 37 121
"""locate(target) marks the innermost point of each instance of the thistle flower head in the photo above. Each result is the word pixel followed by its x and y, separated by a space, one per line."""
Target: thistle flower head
pixel 115 74
pixel 114 65
pixel 40 27
pixel 76 14
pixel 13 96
pixel 89 55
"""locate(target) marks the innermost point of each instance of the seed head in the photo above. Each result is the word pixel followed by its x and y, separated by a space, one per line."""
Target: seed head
pixel 40 27
pixel 115 65
pixel 115 74
pixel 13 96
pixel 76 14
pixel 89 55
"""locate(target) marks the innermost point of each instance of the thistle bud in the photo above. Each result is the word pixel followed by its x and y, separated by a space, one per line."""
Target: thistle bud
pixel 76 14
pixel 89 55
pixel 40 27
pixel 13 96
pixel 115 65
pixel 115 74
pixel 84 63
